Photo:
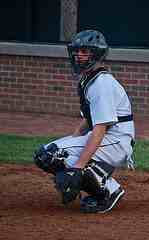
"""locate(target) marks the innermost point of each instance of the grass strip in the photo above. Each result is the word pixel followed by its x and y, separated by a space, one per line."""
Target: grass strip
pixel 19 149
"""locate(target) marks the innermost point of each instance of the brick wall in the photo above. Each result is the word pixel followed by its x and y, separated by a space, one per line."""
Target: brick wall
pixel 42 84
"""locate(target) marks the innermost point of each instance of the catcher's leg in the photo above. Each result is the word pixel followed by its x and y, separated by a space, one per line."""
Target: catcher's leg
pixel 73 146
pixel 51 158
pixel 104 192
pixel 62 152
pixel 58 157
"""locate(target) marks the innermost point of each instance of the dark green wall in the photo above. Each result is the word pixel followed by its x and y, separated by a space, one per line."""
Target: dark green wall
pixel 30 20
pixel 124 23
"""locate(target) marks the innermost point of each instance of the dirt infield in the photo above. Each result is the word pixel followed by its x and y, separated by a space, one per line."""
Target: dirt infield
pixel 30 209
pixel 49 124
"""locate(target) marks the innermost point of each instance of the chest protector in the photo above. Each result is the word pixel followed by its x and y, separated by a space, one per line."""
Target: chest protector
pixel 86 81
pixel 82 87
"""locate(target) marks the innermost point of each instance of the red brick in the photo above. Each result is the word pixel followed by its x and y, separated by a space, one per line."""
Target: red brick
pixel 46 84
pixel 123 75
pixel 144 82
pixel 132 69
pixel 138 75
pixel 59 76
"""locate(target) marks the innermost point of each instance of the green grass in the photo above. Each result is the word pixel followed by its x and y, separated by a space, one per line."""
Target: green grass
pixel 19 149
pixel 141 154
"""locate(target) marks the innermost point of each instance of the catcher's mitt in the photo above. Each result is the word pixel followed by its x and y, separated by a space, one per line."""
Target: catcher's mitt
pixel 68 183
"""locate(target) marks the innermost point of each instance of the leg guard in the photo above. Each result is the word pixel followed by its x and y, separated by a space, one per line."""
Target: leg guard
pixel 94 178
pixel 50 159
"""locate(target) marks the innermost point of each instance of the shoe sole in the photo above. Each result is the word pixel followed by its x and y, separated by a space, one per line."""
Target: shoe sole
pixel 96 210
pixel 114 203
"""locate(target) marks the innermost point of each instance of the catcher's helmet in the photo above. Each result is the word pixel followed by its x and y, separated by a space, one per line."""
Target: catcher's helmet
pixel 90 40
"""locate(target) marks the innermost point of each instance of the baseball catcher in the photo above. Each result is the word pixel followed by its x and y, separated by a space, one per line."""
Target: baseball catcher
pixel 83 163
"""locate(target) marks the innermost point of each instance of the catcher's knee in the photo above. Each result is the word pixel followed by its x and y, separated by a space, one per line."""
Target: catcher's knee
pixel 95 176
pixel 50 159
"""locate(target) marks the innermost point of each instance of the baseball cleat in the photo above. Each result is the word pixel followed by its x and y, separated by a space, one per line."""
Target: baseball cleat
pixel 91 204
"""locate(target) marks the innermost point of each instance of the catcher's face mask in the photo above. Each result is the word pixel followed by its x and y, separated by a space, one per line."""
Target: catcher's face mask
pixel 82 59
pixel 86 48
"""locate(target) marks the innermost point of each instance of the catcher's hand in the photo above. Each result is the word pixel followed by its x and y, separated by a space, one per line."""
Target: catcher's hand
pixel 68 183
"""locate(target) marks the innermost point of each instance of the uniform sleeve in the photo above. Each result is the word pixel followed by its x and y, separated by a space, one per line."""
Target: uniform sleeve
pixel 102 101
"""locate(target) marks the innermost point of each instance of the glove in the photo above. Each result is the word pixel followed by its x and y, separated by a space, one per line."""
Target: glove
pixel 69 183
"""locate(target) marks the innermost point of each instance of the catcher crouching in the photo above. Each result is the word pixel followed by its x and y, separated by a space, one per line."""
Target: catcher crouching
pixel 86 160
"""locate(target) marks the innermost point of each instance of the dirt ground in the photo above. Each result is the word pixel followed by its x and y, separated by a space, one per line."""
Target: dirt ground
pixel 30 209
pixel 50 124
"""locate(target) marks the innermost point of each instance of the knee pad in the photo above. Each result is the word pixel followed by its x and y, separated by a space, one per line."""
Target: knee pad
pixel 50 159
pixel 95 176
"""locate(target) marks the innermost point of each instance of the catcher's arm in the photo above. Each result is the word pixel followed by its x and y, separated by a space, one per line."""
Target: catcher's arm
pixel 69 182
pixel 81 129
pixel 92 144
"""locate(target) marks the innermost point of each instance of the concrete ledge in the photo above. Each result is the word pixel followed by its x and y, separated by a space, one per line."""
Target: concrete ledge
pixel 130 55
pixel 55 50
pixel 26 49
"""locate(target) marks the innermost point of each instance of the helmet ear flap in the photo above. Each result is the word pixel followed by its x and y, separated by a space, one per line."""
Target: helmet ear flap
pixel 101 54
